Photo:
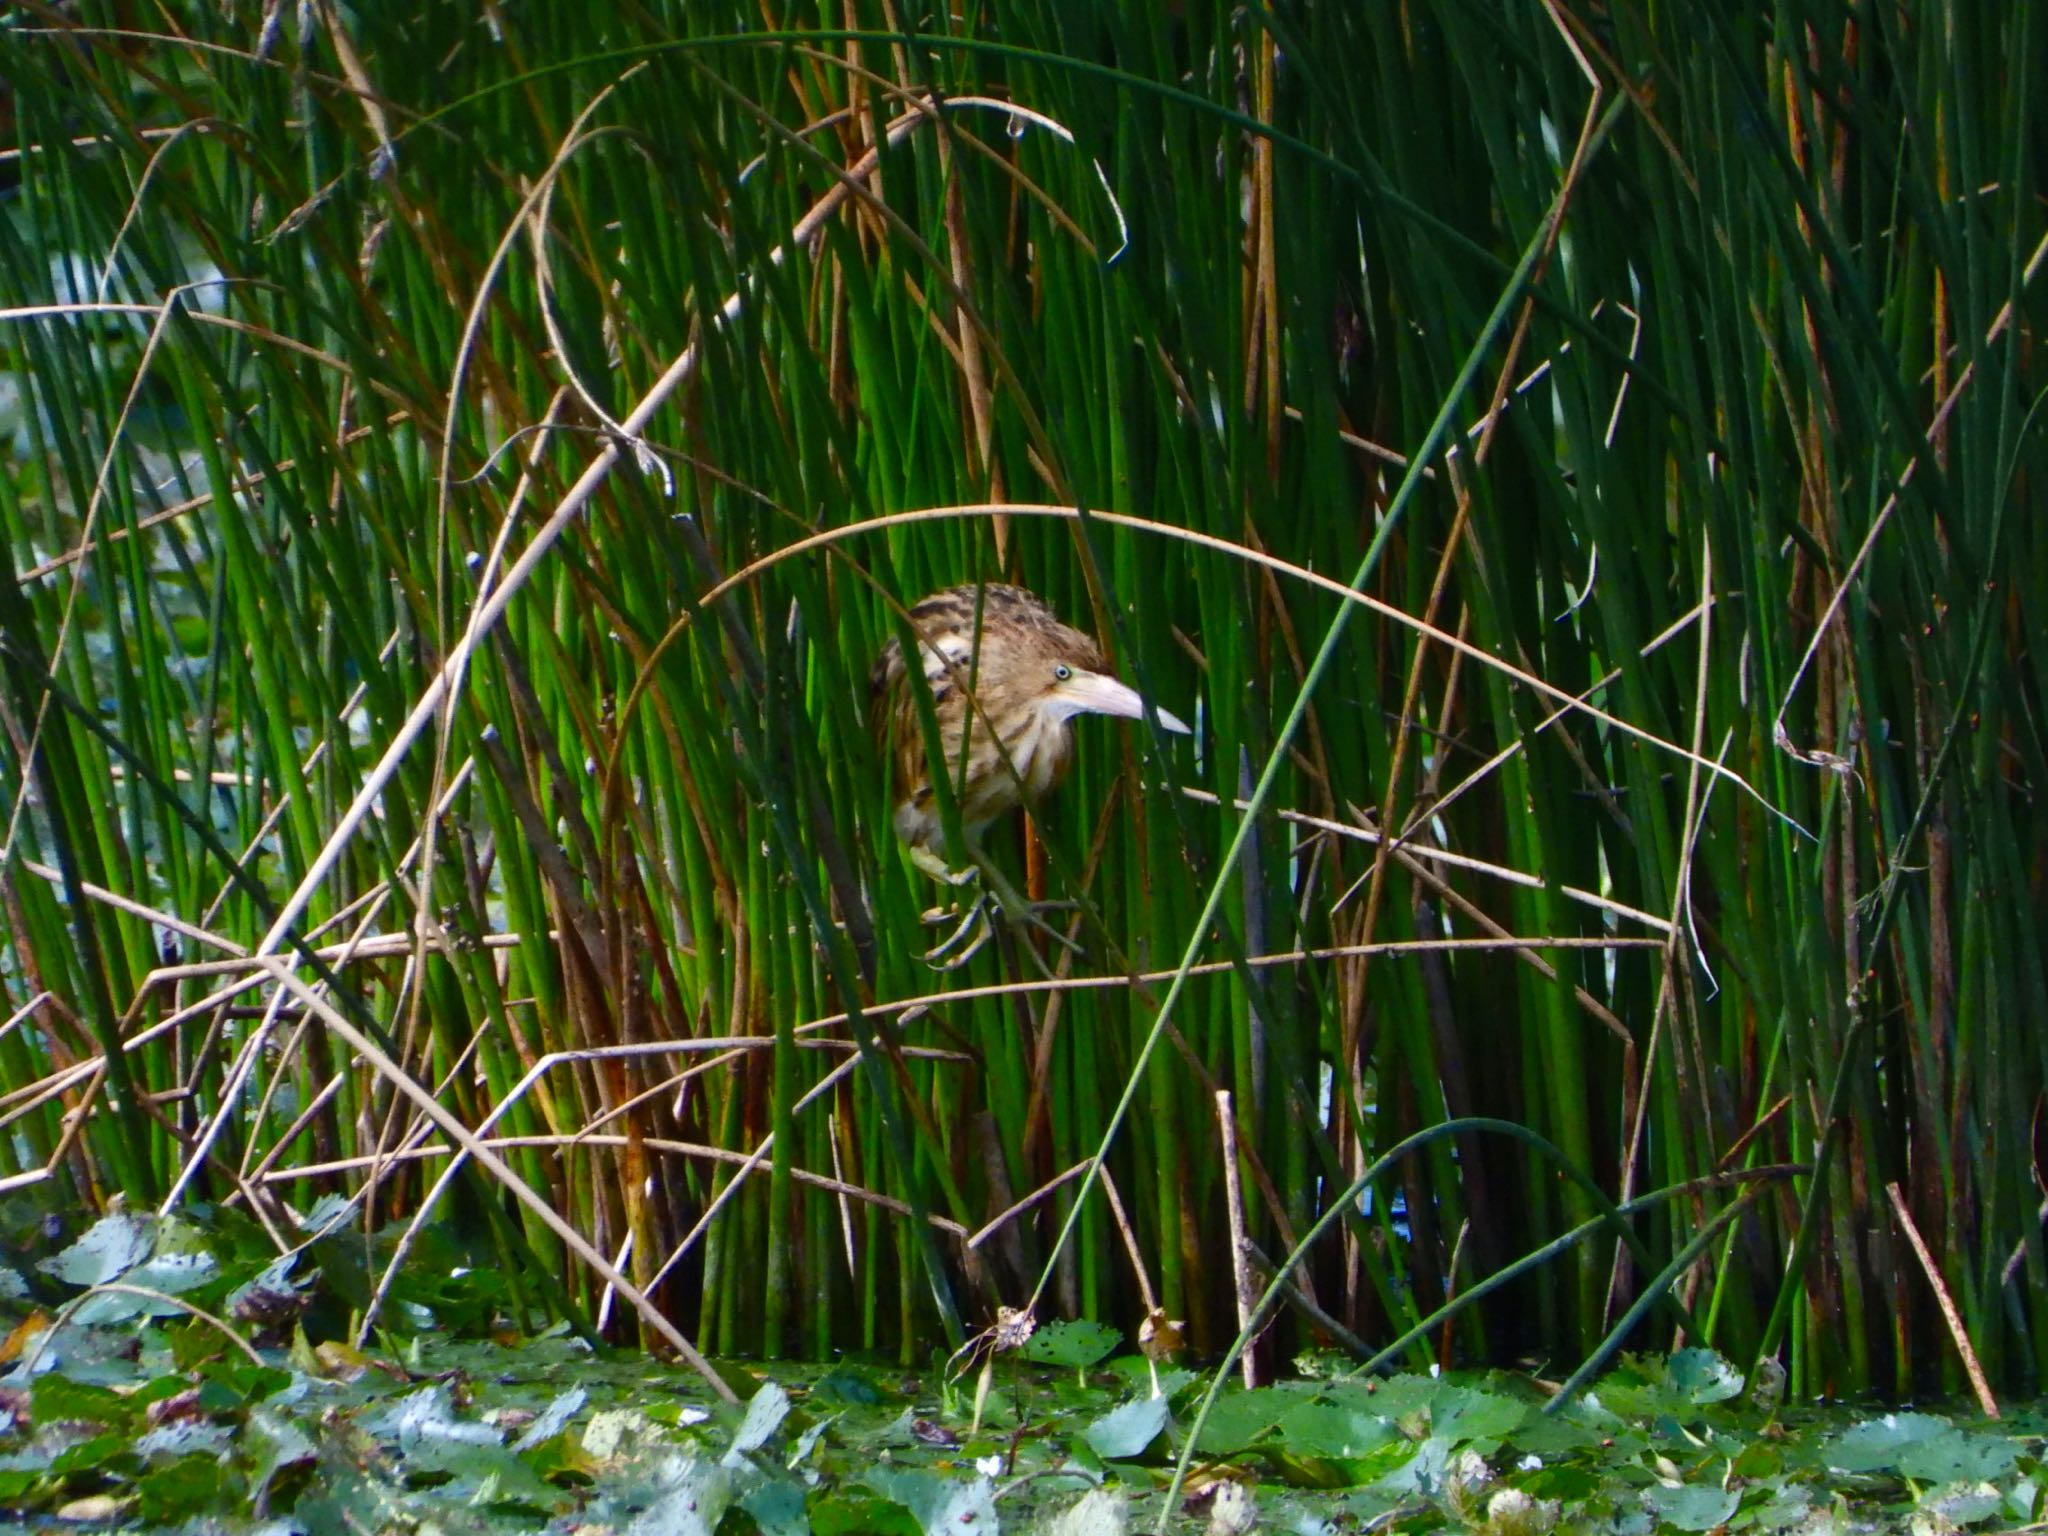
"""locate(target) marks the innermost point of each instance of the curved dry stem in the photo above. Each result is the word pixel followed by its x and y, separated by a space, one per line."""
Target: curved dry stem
pixel 1236 550
pixel 124 1288
pixel 160 323
pixel 1780 733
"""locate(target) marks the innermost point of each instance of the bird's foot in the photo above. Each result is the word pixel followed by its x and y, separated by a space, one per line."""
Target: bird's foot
pixel 971 928
pixel 973 923
pixel 969 918
pixel 973 919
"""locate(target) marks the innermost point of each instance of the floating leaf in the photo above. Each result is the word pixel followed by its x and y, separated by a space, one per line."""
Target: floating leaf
pixel 1463 1414
pixel 1783 1507
pixel 169 1273
pixel 1236 1419
pixel 1138 1374
pixel 427 1418
pixel 1878 1443
pixel 186 1439
pixel 93 1452
pixel 1424 1472
pixel 765 1413
pixel 618 1432
pixel 845 1386
pixel 1339 1433
pixel 1958 1456
pixel 185 1487
pixel 1702 1376
pixel 57 1398
pixel 1964 1505
pixel 777 1507
pixel 1098 1512
pixel 693 1498
pixel 1075 1345
pixel 1693 1506
pixel 967 1508
pixel 110 1248
pixel 854 1514
pixel 807 1442
pixel 938 1504
pixel 553 1419
pixel 1125 1432
pixel 274 1442
pixel 234 1382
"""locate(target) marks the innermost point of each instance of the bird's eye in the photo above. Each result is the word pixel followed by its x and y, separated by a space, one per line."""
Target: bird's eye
pixel 1061 671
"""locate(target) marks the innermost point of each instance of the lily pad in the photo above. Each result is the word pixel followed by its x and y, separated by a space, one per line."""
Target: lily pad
pixel 1236 1419
pixel 765 1412
pixel 1327 1430
pixel 111 1247
pixel 1702 1376
pixel 1125 1432
pixel 1692 1506
pixel 1075 1345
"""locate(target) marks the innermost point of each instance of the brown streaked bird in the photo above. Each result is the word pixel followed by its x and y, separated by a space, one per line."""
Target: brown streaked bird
pixel 1029 675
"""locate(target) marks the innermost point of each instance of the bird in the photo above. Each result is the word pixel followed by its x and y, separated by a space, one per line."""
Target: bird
pixel 1007 679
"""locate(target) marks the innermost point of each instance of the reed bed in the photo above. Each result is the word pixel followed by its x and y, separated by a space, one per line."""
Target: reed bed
pixel 1571 464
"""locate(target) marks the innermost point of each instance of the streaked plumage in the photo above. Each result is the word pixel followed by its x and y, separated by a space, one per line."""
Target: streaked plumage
pixel 1030 675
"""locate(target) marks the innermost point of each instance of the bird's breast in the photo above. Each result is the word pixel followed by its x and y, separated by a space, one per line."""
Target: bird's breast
pixel 1039 747
pixel 1032 760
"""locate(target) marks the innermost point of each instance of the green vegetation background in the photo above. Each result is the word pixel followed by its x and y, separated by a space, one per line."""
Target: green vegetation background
pixel 442 444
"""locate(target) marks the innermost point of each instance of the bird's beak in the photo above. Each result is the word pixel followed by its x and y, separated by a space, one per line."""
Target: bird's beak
pixel 1091 693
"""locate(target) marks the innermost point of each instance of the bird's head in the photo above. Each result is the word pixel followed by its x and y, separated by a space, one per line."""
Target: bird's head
pixel 1073 679
pixel 1022 661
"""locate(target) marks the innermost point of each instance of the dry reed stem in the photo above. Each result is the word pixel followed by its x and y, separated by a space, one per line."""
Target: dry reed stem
pixel 401 1080
pixel 1242 1286
pixel 1956 1330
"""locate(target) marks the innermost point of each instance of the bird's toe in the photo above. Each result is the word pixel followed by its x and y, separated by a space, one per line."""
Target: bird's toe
pixel 970 932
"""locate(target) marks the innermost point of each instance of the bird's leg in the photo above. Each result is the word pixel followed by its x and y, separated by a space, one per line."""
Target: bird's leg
pixel 1017 907
pixel 940 871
